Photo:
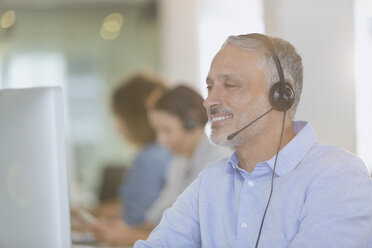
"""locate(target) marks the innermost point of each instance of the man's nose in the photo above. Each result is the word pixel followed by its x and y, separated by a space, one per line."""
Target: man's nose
pixel 213 99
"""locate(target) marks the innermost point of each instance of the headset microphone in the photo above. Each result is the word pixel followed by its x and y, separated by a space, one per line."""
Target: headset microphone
pixel 231 136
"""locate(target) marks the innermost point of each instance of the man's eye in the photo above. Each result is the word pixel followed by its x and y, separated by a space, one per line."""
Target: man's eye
pixel 209 88
pixel 230 86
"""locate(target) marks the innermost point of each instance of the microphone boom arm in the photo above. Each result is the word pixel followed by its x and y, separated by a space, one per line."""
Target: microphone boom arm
pixel 231 136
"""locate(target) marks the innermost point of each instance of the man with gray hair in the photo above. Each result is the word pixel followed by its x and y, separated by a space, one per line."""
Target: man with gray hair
pixel 281 187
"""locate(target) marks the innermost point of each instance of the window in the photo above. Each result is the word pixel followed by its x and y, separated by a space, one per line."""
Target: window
pixel 363 75
pixel 34 69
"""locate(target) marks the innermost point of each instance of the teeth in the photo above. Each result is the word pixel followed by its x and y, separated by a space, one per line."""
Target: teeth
pixel 220 118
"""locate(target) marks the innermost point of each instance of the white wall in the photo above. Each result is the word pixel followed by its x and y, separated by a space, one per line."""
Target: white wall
pixel 322 31
pixel 178 39
pixel 220 19
pixel 193 31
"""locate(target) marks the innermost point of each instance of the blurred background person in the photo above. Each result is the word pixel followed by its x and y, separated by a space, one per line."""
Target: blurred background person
pixel 178 118
pixel 142 185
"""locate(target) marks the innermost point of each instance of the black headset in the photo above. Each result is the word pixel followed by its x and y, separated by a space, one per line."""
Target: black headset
pixel 188 122
pixel 281 94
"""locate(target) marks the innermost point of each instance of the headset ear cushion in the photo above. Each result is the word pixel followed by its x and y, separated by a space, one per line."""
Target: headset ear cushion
pixel 281 98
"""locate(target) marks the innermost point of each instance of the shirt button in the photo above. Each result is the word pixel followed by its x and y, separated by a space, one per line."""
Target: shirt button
pixel 244 225
pixel 250 184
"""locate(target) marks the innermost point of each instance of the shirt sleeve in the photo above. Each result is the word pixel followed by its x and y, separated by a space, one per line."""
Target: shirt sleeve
pixel 338 211
pixel 179 226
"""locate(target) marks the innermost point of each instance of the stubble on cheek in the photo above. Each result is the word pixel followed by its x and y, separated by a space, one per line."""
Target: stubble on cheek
pixel 219 134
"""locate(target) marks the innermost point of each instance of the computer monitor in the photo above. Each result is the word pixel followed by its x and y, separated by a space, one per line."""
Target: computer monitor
pixel 34 203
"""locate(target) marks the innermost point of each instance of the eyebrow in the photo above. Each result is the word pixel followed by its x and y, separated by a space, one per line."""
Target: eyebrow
pixel 225 77
pixel 231 77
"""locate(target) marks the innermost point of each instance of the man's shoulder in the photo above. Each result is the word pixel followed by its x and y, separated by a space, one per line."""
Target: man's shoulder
pixel 328 161
pixel 331 155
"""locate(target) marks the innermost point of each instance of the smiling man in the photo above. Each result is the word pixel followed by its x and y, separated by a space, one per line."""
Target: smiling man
pixel 281 187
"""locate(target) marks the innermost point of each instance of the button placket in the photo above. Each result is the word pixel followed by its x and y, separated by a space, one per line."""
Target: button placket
pixel 244 204
pixel 250 183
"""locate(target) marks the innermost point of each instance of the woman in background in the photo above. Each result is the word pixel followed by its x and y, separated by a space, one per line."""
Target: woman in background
pixel 146 178
pixel 178 118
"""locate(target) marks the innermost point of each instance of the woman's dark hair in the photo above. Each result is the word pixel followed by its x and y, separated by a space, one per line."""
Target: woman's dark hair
pixel 129 103
pixel 186 104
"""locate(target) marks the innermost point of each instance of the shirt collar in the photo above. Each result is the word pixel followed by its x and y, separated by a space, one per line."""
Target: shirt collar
pixel 290 155
pixel 232 163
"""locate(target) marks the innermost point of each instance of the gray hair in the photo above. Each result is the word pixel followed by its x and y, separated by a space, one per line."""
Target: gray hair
pixel 289 58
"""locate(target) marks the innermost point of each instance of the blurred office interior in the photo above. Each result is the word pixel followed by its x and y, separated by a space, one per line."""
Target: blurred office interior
pixel 87 46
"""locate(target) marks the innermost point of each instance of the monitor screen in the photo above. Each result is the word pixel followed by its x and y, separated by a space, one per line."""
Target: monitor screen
pixel 34 205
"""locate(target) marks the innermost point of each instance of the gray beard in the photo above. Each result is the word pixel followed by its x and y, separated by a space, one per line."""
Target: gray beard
pixel 224 142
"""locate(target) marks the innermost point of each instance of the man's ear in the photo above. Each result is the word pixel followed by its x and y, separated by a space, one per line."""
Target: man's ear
pixel 290 83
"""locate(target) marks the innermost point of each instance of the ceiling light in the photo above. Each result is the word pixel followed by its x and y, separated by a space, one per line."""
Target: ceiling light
pixel 8 19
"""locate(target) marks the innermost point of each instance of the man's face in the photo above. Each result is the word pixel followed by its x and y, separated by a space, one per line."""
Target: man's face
pixel 237 94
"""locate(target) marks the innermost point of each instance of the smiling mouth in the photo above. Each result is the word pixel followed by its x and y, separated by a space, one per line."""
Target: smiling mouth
pixel 220 119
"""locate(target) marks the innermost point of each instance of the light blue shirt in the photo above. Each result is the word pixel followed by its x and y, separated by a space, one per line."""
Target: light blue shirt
pixel 322 198
pixel 144 183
